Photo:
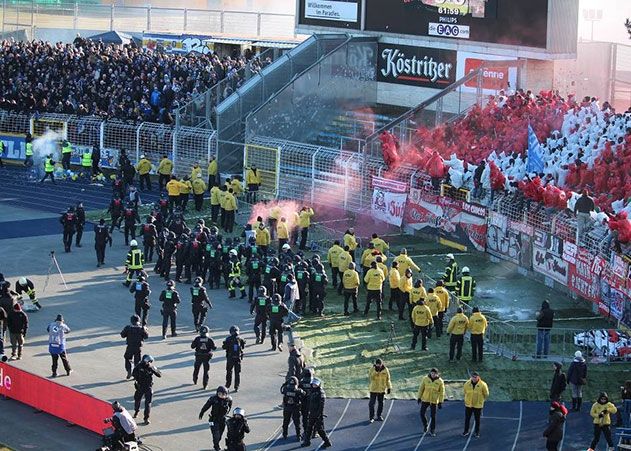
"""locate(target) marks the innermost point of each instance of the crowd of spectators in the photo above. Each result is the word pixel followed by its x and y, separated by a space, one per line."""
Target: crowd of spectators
pixel 111 81
pixel 584 147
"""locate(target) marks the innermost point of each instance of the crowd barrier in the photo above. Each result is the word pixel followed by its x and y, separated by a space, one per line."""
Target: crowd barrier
pixel 184 145
pixel 56 399
pixel 536 241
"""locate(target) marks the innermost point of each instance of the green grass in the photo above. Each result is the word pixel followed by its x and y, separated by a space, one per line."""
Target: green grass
pixel 342 350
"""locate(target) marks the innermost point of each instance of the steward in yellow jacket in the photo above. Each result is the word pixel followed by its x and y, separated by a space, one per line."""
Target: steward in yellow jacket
pixel 195 170
pixel 405 287
pixel 476 393
pixel 405 262
pixel 212 172
pixel 374 279
pixel 477 326
pixel 165 168
pixel 350 284
pixel 379 244
pixel 332 257
pixel 263 238
pixel 431 394
pixel 380 384
pixel 421 323
pixel 343 259
pixel 433 303
pixel 601 412
pixel 457 328
pixel 443 295
pixel 394 279
pixel 350 241
pixel 418 292
pixel 304 221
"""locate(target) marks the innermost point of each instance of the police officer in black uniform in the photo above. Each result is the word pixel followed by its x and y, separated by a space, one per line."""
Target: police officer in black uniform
pixel 169 299
pixel 305 385
pixel 253 269
pixel 200 303
pixel 271 274
pixel 277 310
pixel 237 427
pixel 260 308
pixel 115 210
pixel 317 288
pixel 143 375
pixel 204 347
pixel 131 218
pixel 292 401
pixel 303 277
pixel 219 405
pixel 80 223
pixel 135 334
pixel 234 346
pixel 317 399
pixel 101 238
pixel 149 237
pixel 141 292
pixel 69 221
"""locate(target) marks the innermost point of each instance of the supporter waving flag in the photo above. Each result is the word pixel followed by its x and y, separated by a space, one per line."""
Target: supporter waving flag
pixel 535 161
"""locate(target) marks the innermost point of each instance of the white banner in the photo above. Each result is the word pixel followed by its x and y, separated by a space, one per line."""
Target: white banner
pixel 331 10
pixel 388 207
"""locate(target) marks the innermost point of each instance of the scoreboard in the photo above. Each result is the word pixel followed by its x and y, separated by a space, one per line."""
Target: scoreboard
pixel 543 27
pixel 511 22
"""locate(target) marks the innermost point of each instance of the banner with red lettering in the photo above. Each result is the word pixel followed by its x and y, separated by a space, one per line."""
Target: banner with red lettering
pixel 454 220
pixel 582 279
pixel 55 399
pixel 388 200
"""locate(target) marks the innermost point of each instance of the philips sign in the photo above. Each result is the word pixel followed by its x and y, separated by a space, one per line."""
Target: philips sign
pixel 448 30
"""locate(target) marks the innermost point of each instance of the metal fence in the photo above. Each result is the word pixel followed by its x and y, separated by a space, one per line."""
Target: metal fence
pixel 185 145
pixel 75 16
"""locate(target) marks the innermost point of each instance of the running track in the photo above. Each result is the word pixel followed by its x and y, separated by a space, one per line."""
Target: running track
pixel 506 426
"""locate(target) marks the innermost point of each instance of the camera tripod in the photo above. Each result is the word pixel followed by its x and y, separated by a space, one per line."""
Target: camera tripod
pixel 392 339
pixel 53 262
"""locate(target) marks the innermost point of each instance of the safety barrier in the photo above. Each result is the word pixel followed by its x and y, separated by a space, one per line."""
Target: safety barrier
pixel 53 398
pixel 185 145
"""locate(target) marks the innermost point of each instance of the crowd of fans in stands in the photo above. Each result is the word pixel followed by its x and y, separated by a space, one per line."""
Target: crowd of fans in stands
pixel 111 81
pixel 585 147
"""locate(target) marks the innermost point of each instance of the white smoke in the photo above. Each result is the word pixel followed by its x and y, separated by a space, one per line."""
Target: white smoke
pixel 42 147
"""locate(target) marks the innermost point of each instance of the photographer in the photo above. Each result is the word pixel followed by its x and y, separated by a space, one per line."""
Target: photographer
pixel 123 424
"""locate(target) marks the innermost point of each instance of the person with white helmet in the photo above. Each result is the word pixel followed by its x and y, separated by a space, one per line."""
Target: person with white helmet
pixel 24 285
pixel 219 404
pixel 450 277
pixel 237 427
pixel 170 299
pixel 134 262
pixel 465 288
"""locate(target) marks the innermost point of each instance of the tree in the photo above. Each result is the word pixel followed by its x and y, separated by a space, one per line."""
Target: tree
pixel 628 25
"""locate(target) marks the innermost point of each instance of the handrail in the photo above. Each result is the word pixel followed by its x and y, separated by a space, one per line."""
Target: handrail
pixel 319 60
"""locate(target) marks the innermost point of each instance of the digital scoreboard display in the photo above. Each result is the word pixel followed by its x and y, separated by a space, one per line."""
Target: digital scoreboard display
pixel 510 22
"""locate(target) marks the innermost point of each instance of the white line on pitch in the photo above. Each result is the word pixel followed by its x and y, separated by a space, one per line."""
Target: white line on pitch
pixel 275 434
pixel 339 420
pixel 521 411
pixel 382 425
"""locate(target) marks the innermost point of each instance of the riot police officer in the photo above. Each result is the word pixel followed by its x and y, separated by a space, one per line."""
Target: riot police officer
pixel 271 274
pixel 292 400
pixel 317 289
pixel 200 303
pixel 305 385
pixel 69 221
pixel 143 375
pixel 149 237
pixel 237 427
pixel 253 270
pixel 141 292
pixel 234 346
pixel 135 334
pixel 260 308
pixel 277 310
pixel 219 405
pixel 130 218
pixel 204 347
pixel 101 238
pixel 317 399
pixel 169 299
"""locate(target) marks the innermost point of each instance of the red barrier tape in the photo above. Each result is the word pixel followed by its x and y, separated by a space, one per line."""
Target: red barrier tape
pixel 55 399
